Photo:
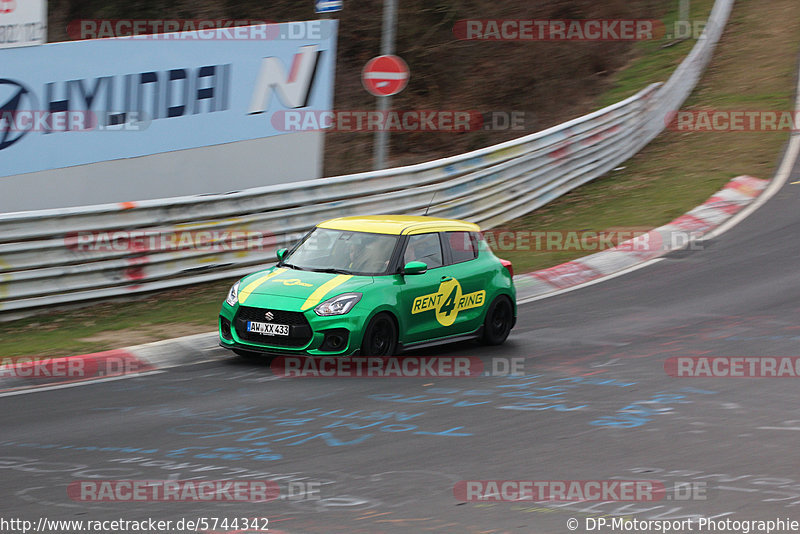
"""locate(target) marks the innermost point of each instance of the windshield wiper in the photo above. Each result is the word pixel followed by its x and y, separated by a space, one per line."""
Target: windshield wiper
pixel 334 271
pixel 289 265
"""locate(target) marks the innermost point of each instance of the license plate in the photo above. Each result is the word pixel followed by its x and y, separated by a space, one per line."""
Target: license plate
pixel 268 329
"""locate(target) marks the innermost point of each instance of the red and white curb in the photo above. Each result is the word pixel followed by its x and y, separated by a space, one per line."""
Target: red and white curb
pixel 680 233
pixel 27 374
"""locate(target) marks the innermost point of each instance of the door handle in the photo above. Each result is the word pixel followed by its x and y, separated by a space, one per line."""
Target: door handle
pixel 446 278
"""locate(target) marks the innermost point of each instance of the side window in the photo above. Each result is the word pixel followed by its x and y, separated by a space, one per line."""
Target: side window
pixel 462 246
pixel 425 248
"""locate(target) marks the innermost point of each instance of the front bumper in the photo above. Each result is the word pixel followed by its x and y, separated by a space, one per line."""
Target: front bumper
pixel 310 334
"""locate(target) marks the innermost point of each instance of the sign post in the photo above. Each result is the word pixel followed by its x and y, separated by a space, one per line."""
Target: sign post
pixel 385 102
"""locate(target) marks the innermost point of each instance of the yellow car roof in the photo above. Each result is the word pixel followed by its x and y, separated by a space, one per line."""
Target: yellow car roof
pixel 398 224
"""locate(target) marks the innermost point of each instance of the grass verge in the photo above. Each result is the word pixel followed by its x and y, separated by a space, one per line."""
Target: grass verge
pixel 754 68
pixel 115 324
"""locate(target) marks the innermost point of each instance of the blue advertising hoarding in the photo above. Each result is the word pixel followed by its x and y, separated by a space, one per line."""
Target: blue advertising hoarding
pixel 76 103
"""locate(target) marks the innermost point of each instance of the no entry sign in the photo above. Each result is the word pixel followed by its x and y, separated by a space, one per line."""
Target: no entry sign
pixel 385 75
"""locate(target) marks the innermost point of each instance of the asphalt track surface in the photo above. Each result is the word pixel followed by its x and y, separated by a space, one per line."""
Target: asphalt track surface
pixel 595 404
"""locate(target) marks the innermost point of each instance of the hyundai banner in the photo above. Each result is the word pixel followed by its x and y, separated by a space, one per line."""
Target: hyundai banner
pixel 72 103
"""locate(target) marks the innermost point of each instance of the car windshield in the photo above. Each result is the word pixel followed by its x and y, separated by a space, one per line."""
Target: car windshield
pixel 345 252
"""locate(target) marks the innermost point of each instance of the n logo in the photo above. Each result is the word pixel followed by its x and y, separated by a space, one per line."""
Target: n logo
pixel 294 90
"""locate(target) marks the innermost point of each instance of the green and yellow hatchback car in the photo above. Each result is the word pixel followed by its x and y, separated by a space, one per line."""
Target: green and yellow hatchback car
pixel 373 286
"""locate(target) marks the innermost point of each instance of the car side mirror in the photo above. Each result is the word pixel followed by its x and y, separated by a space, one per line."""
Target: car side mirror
pixel 415 267
pixel 281 253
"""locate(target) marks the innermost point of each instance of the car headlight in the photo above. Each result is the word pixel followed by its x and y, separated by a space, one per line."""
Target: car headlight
pixel 338 305
pixel 233 295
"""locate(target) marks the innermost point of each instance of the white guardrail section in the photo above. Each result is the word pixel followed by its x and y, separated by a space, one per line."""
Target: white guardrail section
pixel 41 263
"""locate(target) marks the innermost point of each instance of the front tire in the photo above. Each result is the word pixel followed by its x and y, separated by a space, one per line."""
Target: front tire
pixel 380 337
pixel 498 322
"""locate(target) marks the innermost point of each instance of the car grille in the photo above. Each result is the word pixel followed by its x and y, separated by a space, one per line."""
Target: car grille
pixel 299 330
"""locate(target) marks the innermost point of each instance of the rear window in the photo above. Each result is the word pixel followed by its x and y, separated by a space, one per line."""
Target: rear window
pixel 463 246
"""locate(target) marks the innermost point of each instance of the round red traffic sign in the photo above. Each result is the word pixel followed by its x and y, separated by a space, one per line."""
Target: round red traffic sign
pixel 385 75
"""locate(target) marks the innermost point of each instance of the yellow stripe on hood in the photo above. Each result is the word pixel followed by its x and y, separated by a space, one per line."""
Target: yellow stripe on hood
pixel 244 293
pixel 315 297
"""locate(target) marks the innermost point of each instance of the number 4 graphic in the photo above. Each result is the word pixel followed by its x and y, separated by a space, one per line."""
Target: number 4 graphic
pixel 450 302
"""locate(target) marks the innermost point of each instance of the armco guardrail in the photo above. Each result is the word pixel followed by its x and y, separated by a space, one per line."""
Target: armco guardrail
pixel 45 258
